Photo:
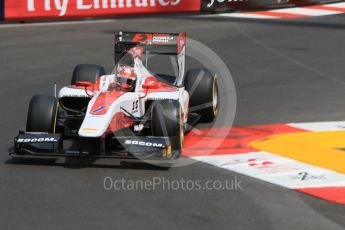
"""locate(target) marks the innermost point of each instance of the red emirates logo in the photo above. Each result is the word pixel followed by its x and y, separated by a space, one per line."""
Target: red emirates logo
pixel 63 5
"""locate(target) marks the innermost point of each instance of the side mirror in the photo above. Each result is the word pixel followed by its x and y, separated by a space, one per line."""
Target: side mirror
pixel 151 83
pixel 84 83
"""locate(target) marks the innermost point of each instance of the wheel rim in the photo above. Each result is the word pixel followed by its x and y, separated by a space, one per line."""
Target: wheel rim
pixel 181 130
pixel 215 98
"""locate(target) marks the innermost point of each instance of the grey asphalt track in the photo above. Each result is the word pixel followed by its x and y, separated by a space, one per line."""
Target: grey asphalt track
pixel 284 71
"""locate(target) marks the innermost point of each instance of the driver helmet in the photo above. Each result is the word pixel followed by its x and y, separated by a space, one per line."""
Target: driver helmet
pixel 126 78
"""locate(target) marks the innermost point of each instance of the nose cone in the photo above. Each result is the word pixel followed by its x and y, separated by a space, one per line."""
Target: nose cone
pixel 93 126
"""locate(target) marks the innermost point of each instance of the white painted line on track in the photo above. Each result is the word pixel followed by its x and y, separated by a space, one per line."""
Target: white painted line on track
pixel 306 12
pixel 246 15
pixel 338 5
pixel 320 126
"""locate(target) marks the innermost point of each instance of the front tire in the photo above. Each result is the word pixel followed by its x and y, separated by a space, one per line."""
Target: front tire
pixel 87 72
pixel 202 87
pixel 167 121
pixel 42 114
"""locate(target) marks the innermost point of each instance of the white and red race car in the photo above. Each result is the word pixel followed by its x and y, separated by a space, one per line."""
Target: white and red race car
pixel 130 113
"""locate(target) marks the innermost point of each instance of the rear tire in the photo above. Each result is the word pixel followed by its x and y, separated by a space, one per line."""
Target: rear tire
pixel 87 72
pixel 167 121
pixel 42 114
pixel 202 87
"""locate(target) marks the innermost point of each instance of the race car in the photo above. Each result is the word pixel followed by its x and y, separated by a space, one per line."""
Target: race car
pixel 129 113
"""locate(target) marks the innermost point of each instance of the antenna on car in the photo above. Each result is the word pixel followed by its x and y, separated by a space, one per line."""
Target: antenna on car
pixel 146 55
pixel 55 91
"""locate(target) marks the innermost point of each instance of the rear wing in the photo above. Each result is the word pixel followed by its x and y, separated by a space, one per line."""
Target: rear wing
pixel 154 43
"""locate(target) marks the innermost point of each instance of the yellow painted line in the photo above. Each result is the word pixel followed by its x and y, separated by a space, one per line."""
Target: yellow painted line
pixel 90 130
pixel 316 148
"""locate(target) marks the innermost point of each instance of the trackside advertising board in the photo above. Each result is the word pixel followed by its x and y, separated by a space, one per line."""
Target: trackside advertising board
pixel 66 9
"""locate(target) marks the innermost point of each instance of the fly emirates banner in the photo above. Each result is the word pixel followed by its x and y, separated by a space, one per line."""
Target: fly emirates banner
pixel 59 9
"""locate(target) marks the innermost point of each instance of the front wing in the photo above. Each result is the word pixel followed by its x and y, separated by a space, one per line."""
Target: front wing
pixel 131 147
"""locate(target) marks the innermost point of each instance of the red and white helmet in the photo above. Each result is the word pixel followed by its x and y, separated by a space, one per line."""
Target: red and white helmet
pixel 126 77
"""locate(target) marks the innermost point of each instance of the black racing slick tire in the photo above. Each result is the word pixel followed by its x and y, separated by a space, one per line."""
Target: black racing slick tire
pixel 167 121
pixel 202 87
pixel 42 114
pixel 87 72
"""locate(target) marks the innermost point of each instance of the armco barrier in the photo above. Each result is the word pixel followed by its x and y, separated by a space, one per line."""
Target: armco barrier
pixel 1 10
pixel 24 10
pixel 225 5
